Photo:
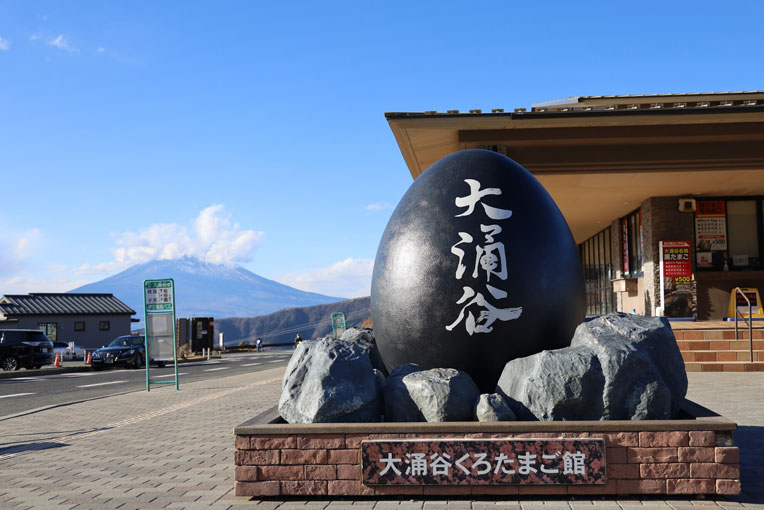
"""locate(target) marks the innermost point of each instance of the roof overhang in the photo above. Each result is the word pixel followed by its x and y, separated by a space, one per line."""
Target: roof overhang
pixel 599 164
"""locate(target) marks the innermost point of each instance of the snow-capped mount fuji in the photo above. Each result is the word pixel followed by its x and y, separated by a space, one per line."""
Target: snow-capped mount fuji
pixel 203 289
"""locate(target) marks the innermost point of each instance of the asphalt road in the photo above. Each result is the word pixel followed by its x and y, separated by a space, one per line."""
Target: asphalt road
pixel 24 394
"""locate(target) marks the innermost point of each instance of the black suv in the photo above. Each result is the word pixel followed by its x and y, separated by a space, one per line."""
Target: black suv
pixel 27 348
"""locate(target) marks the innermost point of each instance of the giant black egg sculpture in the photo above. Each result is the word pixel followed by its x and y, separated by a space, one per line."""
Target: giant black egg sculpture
pixel 476 267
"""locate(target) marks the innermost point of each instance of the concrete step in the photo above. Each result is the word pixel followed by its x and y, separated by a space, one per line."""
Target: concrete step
pixel 719 345
pixel 733 366
pixel 717 334
pixel 722 356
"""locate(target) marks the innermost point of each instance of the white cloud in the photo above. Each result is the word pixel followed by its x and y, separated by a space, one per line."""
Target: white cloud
pixel 20 268
pixel 381 206
pixel 16 248
pixel 25 285
pixel 348 278
pixel 100 269
pixel 34 37
pixel 5 44
pixel 212 238
pixel 61 43
pixel 119 57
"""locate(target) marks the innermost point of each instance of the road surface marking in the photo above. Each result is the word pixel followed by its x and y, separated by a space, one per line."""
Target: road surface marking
pixel 100 384
pixel 25 379
pixel 152 414
pixel 16 395
pixel 276 361
pixel 252 364
pixel 173 375
pixel 213 369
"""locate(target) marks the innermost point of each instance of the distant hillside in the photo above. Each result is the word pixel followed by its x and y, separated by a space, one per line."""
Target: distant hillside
pixel 282 326
pixel 207 290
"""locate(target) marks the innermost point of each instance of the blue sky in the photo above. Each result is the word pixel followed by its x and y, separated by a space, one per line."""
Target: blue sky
pixel 254 132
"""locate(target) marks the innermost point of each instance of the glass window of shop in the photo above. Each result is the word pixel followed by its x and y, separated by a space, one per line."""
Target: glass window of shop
pixel 729 234
pixel 50 329
pixel 598 272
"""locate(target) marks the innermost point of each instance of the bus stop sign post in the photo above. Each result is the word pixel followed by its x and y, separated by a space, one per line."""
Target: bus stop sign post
pixel 159 317
pixel 338 324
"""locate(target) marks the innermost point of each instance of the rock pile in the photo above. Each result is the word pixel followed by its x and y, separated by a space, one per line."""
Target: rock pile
pixel 618 367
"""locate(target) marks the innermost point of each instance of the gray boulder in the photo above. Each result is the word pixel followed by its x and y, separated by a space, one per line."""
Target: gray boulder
pixel 365 338
pixel 398 404
pixel 637 352
pixel 564 384
pixel 436 395
pixel 327 381
pixel 618 367
pixel 492 407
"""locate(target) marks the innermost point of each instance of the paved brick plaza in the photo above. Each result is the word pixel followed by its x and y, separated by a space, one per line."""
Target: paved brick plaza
pixel 167 449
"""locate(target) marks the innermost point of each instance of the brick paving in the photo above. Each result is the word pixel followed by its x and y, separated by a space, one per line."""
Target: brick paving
pixel 168 449
pixel 163 449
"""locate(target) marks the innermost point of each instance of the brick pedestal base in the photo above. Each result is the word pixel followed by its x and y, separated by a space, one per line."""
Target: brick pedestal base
pixel 688 456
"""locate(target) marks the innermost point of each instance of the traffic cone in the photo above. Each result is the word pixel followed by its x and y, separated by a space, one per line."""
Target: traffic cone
pixel 57 363
pixel 89 360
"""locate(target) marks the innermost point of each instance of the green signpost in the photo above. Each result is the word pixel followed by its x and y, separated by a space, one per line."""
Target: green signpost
pixel 159 317
pixel 338 324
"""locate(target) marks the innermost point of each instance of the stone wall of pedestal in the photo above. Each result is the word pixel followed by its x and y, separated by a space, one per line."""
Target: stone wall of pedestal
pixel 679 457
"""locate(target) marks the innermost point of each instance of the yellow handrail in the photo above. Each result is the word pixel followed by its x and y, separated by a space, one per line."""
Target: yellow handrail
pixel 750 317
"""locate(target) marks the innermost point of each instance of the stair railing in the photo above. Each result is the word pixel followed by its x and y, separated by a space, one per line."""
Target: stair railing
pixel 737 291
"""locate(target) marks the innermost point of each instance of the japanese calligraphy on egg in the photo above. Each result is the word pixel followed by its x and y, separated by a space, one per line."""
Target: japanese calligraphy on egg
pixel 476 267
pixel 482 299
pixel 484 462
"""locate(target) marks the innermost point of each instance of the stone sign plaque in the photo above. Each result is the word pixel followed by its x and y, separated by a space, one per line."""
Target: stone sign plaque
pixel 484 462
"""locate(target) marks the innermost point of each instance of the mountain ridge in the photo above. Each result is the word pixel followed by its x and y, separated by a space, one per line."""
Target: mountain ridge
pixel 204 289
pixel 282 326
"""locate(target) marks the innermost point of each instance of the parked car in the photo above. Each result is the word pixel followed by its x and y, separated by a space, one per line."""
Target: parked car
pixel 67 351
pixel 124 351
pixel 28 348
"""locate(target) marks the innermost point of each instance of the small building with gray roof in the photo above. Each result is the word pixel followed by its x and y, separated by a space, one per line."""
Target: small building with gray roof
pixel 89 320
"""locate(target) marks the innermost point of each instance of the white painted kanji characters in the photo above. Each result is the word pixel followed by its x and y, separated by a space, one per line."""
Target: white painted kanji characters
pixel 465 238
pixel 390 463
pixel 417 464
pixel 492 257
pixel 573 463
pixel 486 317
pixel 523 464
pixel 475 196
pixel 490 260
pixel 439 464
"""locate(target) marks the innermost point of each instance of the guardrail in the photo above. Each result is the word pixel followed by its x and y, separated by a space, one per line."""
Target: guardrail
pixel 735 292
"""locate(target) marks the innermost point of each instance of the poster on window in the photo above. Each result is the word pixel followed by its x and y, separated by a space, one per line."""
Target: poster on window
pixel 677 298
pixel 711 233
